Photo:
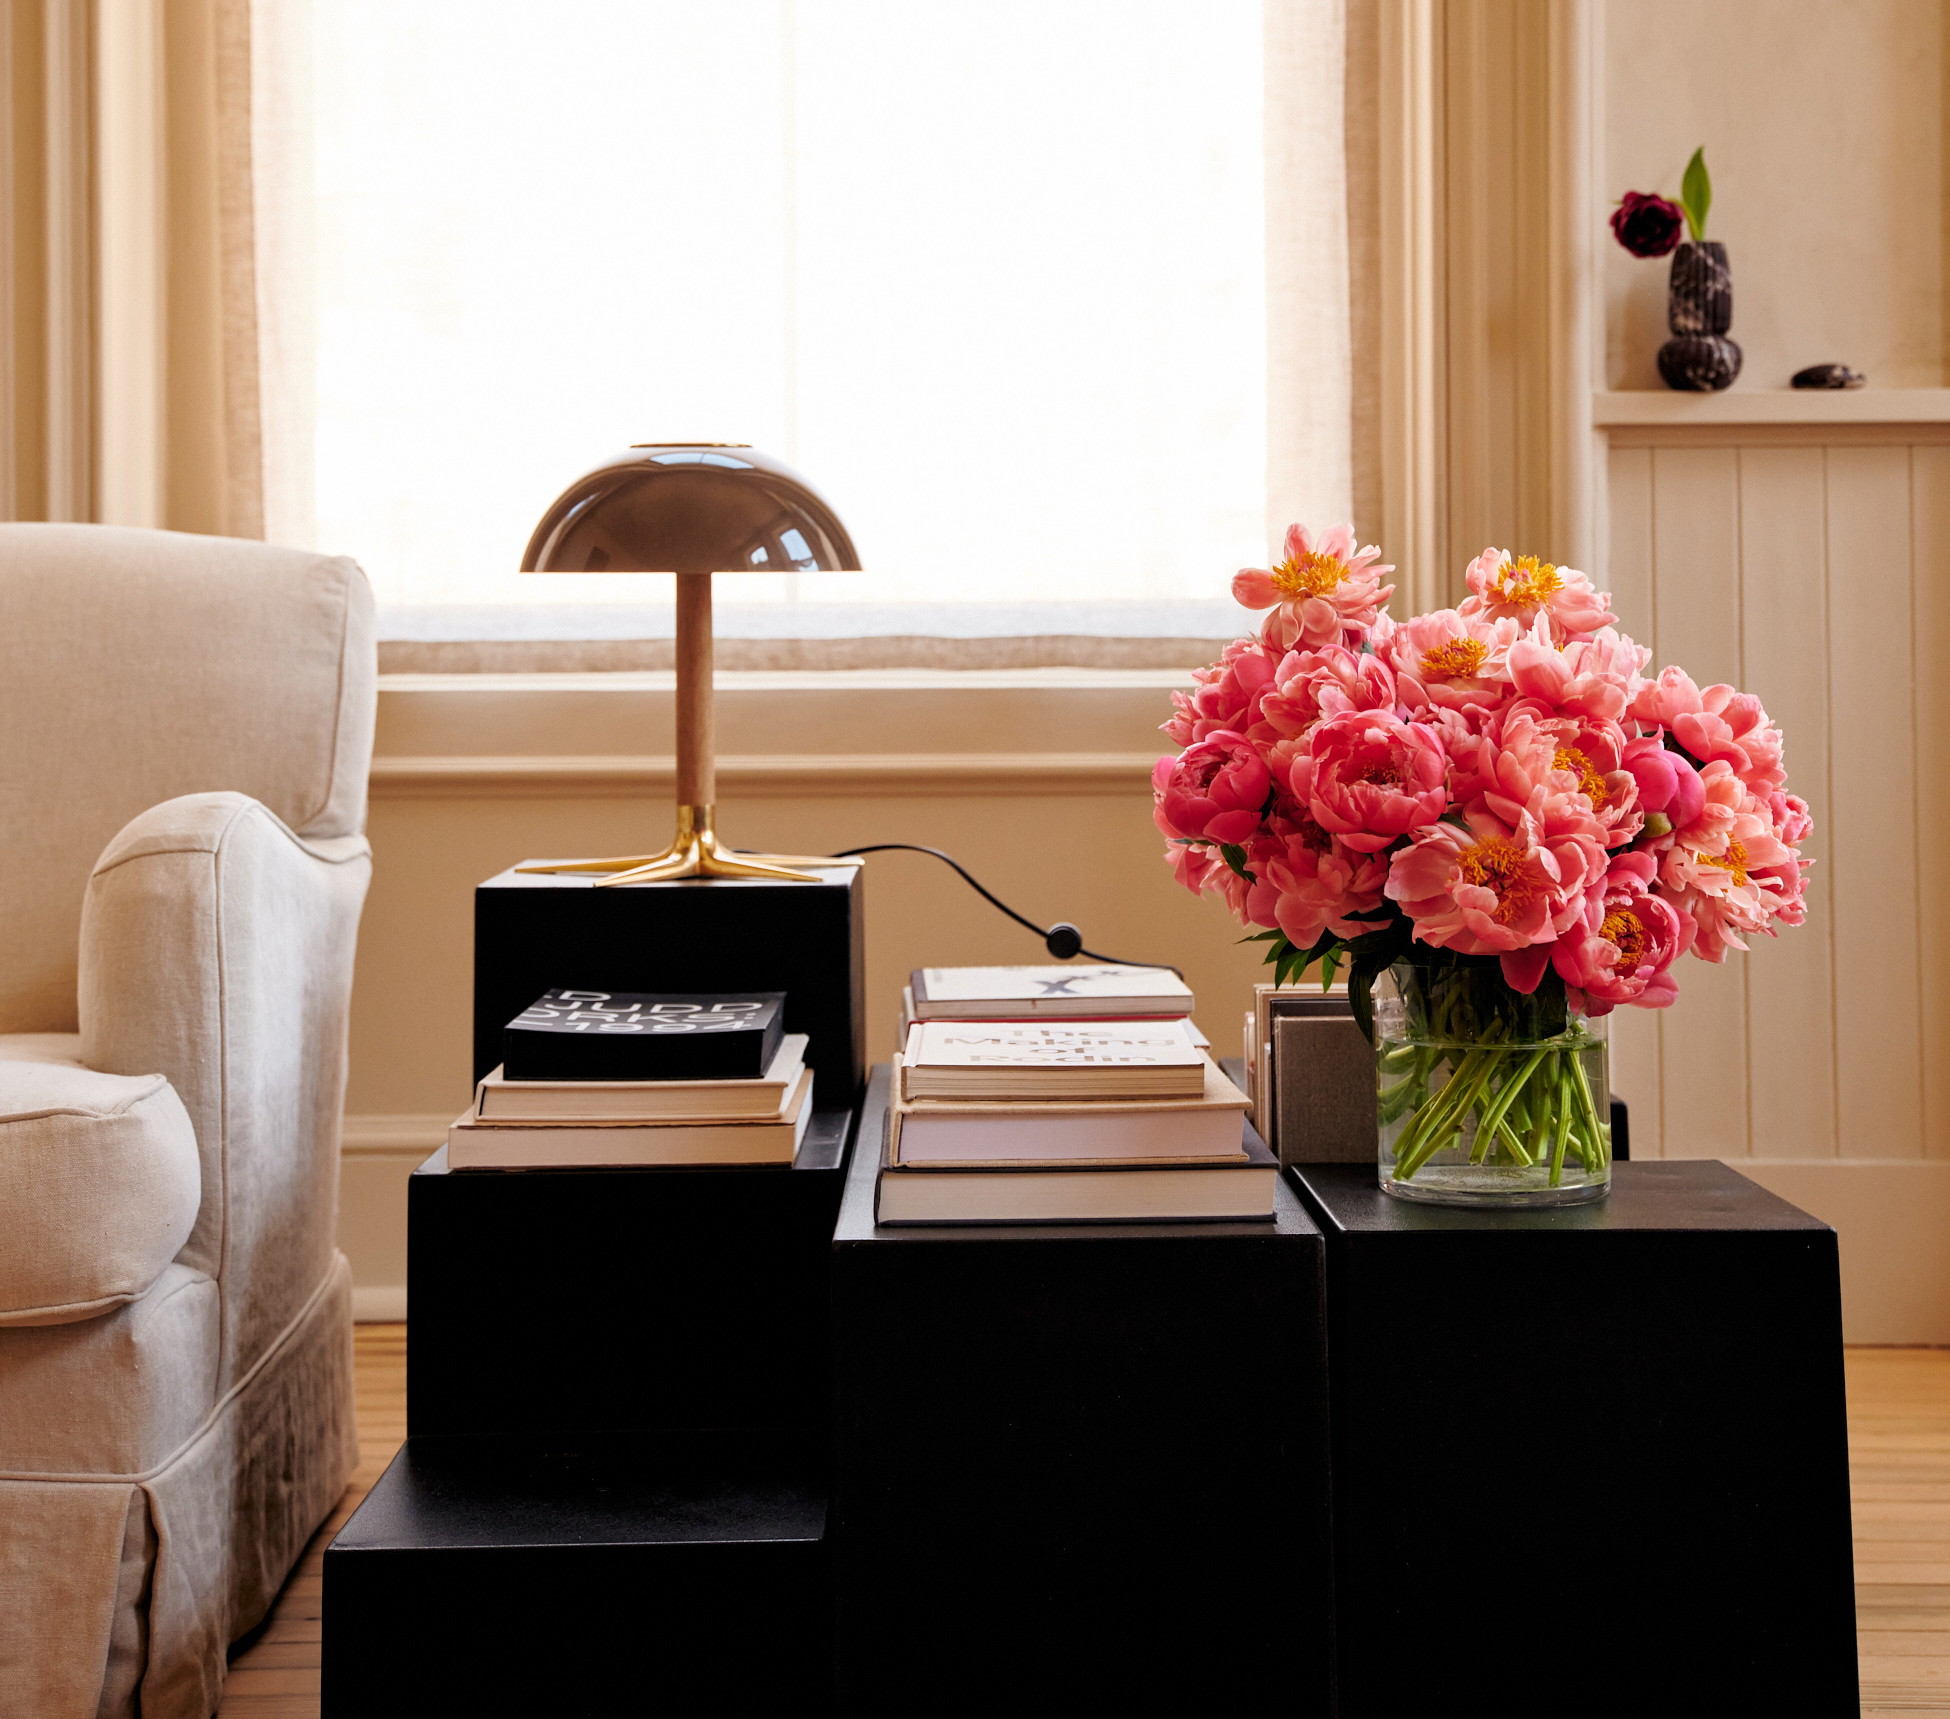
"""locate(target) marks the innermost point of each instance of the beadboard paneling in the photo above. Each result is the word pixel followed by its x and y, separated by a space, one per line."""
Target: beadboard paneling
pixel 1789 570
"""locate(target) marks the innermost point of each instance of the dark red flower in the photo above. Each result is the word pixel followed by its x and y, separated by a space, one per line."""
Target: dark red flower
pixel 1647 225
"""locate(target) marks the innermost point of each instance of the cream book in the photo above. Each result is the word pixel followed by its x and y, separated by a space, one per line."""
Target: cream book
pixel 532 1102
pixel 473 1144
pixel 1031 1060
pixel 929 1134
pixel 1030 993
pixel 1060 1194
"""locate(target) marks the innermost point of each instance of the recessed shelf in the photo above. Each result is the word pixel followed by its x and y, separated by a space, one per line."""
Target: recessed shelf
pixel 1773 406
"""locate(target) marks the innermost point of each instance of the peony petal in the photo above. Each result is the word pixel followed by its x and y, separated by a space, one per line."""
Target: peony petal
pixel 1253 588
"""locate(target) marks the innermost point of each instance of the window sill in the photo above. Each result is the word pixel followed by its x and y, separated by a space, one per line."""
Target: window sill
pixel 618 638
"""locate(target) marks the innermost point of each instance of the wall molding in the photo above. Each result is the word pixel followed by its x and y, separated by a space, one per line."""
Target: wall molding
pixel 819 775
pixel 392 1136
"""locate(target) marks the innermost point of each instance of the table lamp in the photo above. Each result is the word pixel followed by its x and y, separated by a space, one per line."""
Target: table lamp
pixel 695 509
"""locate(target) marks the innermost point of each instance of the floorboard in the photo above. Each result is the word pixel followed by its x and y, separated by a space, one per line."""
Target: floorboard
pixel 1899 1468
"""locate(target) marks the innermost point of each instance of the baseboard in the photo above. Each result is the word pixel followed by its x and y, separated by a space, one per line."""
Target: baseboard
pixel 378 1303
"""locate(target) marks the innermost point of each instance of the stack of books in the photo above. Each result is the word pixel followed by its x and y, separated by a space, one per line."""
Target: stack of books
pixel 601 1079
pixel 1066 1112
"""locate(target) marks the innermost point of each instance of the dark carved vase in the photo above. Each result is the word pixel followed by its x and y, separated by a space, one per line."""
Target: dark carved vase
pixel 1699 357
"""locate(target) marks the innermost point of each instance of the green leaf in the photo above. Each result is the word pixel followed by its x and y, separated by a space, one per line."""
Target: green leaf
pixel 1263 937
pixel 1330 964
pixel 1696 194
pixel 1235 858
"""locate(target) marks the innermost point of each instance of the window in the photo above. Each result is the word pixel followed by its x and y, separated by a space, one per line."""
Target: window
pixel 993 277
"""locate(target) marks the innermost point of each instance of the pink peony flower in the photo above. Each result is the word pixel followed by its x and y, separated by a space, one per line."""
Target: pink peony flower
pixel 1307 882
pixel 1575 763
pixel 1310 685
pixel 1623 950
pixel 1370 778
pixel 1212 791
pixel 1320 594
pixel 1595 676
pixel 1718 723
pixel 1491 889
pixel 1739 876
pixel 1204 872
pixel 1521 588
pixel 1667 784
pixel 1227 695
pixel 1450 660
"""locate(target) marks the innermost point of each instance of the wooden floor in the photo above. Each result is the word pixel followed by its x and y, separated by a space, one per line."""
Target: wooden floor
pixel 277 1676
pixel 1899 1455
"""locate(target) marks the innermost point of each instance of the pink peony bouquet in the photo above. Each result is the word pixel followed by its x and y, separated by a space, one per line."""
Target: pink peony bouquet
pixel 1495 789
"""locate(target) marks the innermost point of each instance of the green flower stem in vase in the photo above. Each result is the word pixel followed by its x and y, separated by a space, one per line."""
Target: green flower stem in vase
pixel 1487 1096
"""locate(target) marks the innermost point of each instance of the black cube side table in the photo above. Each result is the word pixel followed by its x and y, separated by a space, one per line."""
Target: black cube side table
pixel 1591 1461
pixel 536 931
pixel 613 1494
pixel 605 1300
pixel 505 1578
pixel 1077 1468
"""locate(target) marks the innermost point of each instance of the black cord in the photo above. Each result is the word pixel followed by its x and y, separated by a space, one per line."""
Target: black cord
pixel 1063 940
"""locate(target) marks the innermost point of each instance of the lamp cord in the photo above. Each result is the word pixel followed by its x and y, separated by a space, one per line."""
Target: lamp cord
pixel 1063 940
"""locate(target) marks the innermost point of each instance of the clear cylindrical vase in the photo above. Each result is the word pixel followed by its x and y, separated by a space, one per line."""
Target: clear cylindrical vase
pixel 1488 1097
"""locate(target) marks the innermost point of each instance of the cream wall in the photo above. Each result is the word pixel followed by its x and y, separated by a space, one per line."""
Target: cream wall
pixel 1823 127
pixel 1799 546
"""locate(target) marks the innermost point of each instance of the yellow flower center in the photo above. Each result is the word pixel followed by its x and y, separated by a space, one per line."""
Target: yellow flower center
pixel 1627 931
pixel 1525 580
pixel 1309 575
pixel 1382 775
pixel 1459 659
pixel 1589 781
pixel 1734 860
pixel 1497 863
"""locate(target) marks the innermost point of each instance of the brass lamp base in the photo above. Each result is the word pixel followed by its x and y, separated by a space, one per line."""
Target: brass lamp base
pixel 694 853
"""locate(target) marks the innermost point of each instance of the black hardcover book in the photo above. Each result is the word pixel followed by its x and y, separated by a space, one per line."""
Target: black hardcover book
pixel 622 1035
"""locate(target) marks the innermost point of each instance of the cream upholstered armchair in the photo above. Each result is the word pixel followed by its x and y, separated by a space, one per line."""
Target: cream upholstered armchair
pixel 185 730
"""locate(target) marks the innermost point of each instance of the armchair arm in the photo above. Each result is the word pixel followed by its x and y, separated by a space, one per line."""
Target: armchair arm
pixel 98 1180
pixel 216 948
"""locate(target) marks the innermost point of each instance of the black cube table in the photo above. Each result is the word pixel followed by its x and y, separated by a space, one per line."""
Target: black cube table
pixel 1077 1468
pixel 541 931
pixel 613 1494
pixel 509 1578
pixel 1591 1461
pixel 605 1300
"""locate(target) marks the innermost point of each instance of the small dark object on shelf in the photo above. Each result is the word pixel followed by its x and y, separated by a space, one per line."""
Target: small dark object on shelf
pixel 1699 359
pixel 1829 376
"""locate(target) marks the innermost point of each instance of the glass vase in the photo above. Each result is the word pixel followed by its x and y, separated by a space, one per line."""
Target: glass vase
pixel 1488 1097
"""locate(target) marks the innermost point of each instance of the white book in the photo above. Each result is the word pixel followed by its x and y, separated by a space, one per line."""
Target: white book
pixel 1004 993
pixel 1130 1194
pixel 532 1102
pixel 476 1145
pixel 935 1135
pixel 1052 1059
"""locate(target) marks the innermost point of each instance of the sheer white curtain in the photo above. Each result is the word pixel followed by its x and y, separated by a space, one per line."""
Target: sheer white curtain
pixel 994 277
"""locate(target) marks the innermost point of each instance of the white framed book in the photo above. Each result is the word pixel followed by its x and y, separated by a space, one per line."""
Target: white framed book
pixel 474 1144
pixel 500 1100
pixel 1052 1059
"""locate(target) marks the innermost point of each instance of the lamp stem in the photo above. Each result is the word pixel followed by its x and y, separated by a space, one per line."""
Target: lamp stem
pixel 697 741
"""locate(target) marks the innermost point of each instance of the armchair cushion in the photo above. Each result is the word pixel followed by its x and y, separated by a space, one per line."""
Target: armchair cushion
pixel 100 1184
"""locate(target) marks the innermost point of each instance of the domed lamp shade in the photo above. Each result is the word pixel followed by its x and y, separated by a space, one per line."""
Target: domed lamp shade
pixel 693 509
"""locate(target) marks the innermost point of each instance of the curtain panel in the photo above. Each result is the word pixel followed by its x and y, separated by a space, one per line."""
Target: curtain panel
pixel 152 354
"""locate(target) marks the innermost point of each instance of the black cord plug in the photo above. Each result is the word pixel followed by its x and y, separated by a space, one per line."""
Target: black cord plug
pixel 1063 940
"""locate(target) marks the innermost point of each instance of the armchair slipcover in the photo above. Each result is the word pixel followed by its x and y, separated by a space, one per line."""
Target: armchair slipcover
pixel 185 731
